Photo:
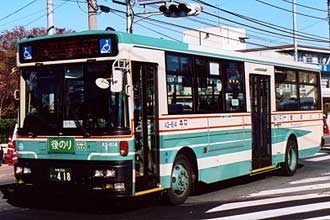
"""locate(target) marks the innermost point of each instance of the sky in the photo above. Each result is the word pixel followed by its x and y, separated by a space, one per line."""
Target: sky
pixel 312 21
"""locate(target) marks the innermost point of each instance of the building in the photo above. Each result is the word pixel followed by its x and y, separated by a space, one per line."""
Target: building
pixel 216 38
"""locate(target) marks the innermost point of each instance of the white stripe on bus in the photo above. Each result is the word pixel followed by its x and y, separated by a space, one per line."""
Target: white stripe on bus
pixel 28 153
pixel 203 145
pixel 80 139
pixel 214 161
pixel 107 155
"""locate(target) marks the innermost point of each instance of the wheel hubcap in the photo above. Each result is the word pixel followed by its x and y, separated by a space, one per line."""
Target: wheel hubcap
pixel 180 179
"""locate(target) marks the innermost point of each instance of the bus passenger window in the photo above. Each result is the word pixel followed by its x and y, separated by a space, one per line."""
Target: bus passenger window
pixel 179 84
pixel 308 91
pixel 289 98
pixel 235 98
pixel 209 86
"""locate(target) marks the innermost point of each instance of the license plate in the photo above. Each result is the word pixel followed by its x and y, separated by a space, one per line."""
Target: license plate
pixel 60 174
pixel 64 145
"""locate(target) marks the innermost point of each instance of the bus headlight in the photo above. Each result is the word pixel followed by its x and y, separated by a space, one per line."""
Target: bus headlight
pixel 104 173
pixel 22 170
pixel 98 173
pixel 18 170
pixel 110 173
pixel 27 170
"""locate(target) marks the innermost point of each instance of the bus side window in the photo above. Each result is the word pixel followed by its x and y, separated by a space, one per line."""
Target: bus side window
pixel 234 87
pixel 179 84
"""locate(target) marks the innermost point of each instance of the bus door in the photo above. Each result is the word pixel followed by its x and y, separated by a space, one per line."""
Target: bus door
pixel 261 122
pixel 146 129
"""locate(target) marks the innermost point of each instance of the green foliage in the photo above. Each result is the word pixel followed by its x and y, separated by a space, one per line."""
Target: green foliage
pixel 7 126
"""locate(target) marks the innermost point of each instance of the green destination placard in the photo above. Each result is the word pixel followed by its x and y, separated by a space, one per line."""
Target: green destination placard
pixel 63 145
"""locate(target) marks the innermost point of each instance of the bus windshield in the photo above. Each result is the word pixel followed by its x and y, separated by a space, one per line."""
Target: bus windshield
pixel 64 99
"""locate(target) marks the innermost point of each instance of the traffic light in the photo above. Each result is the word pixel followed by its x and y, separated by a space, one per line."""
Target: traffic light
pixel 180 10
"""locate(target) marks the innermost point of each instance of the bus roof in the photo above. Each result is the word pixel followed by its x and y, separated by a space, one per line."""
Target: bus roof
pixel 176 46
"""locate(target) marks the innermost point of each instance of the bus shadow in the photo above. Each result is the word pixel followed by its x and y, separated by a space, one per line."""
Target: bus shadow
pixel 203 188
pixel 85 204
pixel 76 203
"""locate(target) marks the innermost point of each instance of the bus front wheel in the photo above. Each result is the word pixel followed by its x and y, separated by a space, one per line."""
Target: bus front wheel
pixel 291 159
pixel 181 181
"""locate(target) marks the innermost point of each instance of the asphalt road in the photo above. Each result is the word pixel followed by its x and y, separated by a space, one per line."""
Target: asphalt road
pixel 6 174
pixel 306 195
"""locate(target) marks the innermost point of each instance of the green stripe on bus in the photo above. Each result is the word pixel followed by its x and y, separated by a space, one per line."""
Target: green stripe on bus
pixel 215 174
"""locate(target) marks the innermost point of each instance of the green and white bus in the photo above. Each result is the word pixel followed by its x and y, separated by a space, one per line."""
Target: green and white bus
pixel 127 115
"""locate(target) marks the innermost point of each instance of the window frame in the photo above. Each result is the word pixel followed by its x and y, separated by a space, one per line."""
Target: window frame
pixel 298 83
pixel 222 77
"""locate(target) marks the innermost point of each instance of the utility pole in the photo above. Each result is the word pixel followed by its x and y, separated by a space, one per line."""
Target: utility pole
pixel 129 15
pixel 92 8
pixel 50 17
pixel 295 53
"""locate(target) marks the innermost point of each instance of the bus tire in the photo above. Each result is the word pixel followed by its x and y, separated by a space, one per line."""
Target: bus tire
pixel 181 181
pixel 290 164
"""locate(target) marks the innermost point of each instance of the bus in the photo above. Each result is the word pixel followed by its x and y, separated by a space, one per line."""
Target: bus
pixel 126 115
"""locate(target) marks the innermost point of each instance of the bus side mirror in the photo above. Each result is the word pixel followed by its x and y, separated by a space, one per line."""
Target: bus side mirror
pixel 117 81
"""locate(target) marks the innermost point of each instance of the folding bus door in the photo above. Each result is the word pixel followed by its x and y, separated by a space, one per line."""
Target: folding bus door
pixel 261 122
pixel 144 77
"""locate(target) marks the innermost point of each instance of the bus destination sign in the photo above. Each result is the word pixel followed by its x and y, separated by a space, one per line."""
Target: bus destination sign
pixel 64 48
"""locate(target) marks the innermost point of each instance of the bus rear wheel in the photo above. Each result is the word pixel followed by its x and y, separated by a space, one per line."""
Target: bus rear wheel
pixel 291 159
pixel 181 181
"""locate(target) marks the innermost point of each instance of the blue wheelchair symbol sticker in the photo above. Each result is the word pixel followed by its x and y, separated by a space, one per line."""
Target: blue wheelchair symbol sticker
pixel 27 53
pixel 105 46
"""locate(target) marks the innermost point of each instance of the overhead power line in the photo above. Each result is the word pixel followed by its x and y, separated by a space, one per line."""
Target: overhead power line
pixel 22 18
pixel 185 27
pixel 287 10
pixel 236 26
pixel 81 8
pixel 306 6
pixel 276 31
pixel 150 29
pixel 45 14
pixel 288 35
pixel 18 10
pixel 253 36
pixel 301 35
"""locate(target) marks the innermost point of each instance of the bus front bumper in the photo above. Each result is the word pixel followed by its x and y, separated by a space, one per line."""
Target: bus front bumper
pixel 109 178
